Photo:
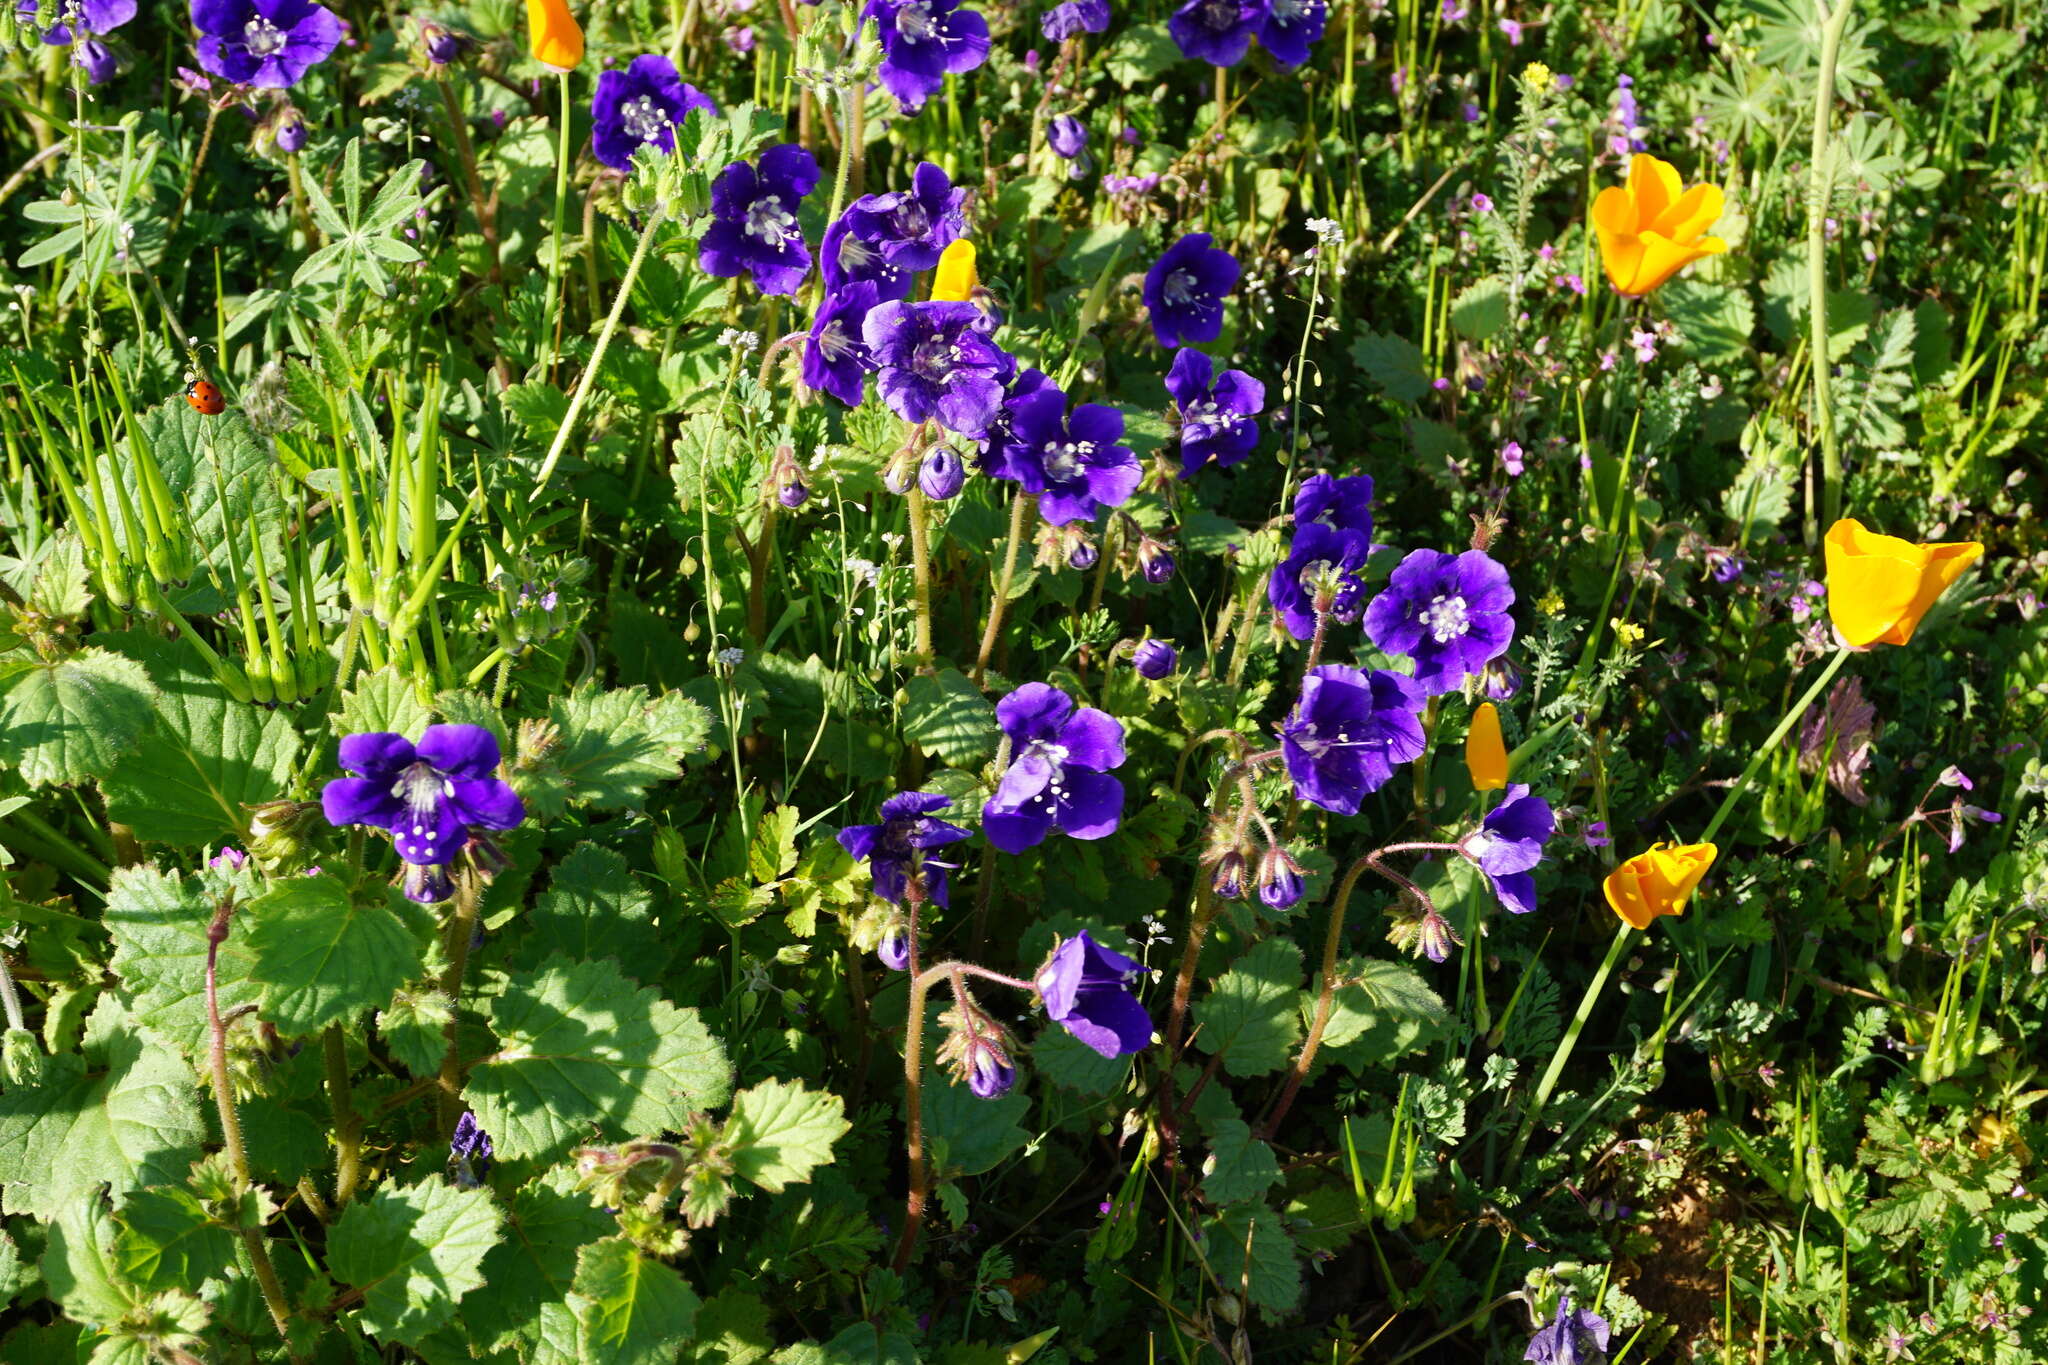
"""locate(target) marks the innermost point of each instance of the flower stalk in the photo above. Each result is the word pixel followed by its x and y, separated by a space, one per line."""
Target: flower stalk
pixel 1820 192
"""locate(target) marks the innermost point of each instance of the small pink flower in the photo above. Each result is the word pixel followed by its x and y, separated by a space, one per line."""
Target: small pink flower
pixel 1511 458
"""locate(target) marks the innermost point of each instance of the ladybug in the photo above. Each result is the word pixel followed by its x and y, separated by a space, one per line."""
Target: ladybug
pixel 205 396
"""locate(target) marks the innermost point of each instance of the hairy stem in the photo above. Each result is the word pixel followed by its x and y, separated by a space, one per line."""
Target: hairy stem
pixel 461 929
pixel 486 215
pixel 348 1124
pixel 921 573
pixel 1020 508
pixel 1819 193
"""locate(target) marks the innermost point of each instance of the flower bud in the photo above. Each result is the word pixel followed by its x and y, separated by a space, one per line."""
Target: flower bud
pixel 1228 880
pixel 989 1071
pixel 1067 136
pixel 442 46
pixel 289 132
pixel 21 1058
pixel 277 829
pixel 942 475
pixel 894 949
pixel 793 494
pixel 1155 560
pixel 427 883
pixel 1155 659
pixel 1279 879
pixel 1503 679
pixel 1084 555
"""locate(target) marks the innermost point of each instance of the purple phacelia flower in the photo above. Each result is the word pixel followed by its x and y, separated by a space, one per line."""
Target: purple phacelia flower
pixel 935 360
pixel 1290 27
pixel 641 106
pixel 900 842
pixel 1058 778
pixel 1067 136
pixel 894 949
pixel 923 40
pixel 1086 990
pixel 428 795
pixel 1576 1336
pixel 835 358
pixel 1063 21
pixel 846 259
pixel 1448 613
pixel 1347 731
pixel 1185 287
pixel 1217 412
pixel 1320 572
pixel 941 474
pixel 270 44
pixel 1280 883
pixel 753 226
pixel 289 131
pixel 911 228
pixel 1155 659
pixel 471 1151
pixel 990 1073
pixel 1073 461
pixel 1344 503
pixel 1216 31
pixel 1509 843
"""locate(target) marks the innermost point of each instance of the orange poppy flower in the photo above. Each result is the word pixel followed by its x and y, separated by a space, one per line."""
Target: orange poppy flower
pixel 1658 882
pixel 1486 754
pixel 556 39
pixel 1880 586
pixel 1653 227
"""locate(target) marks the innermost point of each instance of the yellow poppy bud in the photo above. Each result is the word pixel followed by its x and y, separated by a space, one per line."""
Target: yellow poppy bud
pixel 1880 586
pixel 556 39
pixel 956 280
pixel 1653 227
pixel 1486 756
pixel 1658 882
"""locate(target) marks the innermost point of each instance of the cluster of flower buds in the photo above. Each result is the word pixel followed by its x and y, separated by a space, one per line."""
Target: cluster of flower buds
pixel 977 1048
pixel 534 605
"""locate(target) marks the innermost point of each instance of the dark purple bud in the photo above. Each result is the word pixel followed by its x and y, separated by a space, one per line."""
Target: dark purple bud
pixel 1084 555
pixel 1155 560
pixel 942 475
pixel 1229 879
pixel 793 494
pixel 290 131
pixel 442 46
pixel 427 883
pixel 989 1073
pixel 894 949
pixel 1067 136
pixel 1155 659
pixel 1279 879
pixel 1503 679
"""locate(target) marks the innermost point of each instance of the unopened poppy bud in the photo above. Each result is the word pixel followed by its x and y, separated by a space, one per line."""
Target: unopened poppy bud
pixel 1279 879
pixel 555 38
pixel 942 475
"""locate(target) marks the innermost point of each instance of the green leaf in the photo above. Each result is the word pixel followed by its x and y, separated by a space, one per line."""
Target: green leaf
pixel 1249 1014
pixel 1384 1008
pixel 414 1026
pixel 124 1113
pixel 221 472
pixel 732 1329
pixel 413 1252
pixel 79 1269
pixel 158 923
pixel 583 1048
pixel 630 1309
pixel 1716 320
pixel 948 718
pixel 167 1241
pixel 779 1132
pixel 385 700
pixel 979 1134
pixel 533 1267
pixel 1066 1061
pixel 594 907
pixel 1239 1166
pixel 1141 53
pixel 864 1343
pixel 324 957
pixel 611 747
pixel 1253 1256
pixel 207 758
pixel 1481 309
pixel 66 721
pixel 773 851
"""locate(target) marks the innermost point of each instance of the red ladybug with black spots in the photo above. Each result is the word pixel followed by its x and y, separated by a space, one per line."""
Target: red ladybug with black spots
pixel 205 396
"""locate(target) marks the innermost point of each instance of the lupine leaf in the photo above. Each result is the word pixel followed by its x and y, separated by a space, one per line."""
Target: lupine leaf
pixel 582 1048
pixel 323 956
pixel 413 1251
pixel 630 1308
pixel 779 1132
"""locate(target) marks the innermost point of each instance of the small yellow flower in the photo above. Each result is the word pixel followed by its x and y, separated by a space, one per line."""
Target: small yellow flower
pixel 1880 586
pixel 1538 76
pixel 556 39
pixel 1658 882
pixel 955 281
pixel 1628 632
pixel 1486 754
pixel 1653 227
pixel 1551 603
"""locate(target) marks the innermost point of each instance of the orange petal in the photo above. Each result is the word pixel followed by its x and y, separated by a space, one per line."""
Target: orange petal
pixel 1880 586
pixel 1695 211
pixel 1486 754
pixel 556 39
pixel 1663 258
pixel 1654 185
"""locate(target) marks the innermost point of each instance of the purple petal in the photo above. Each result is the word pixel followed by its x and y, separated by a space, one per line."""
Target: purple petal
pixel 460 750
pixel 378 754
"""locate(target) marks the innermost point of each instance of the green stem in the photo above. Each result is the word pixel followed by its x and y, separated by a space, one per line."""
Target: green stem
pixel 348 1124
pixel 1020 508
pixel 1548 1081
pixel 1770 746
pixel 604 341
pixel 549 325
pixel 455 947
pixel 1819 193
pixel 921 573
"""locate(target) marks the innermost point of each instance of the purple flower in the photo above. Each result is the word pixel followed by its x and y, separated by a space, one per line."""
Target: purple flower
pixel 1574 1337
pixel 1073 462
pixel 1155 561
pixel 894 949
pixel 846 259
pixel 1084 555
pixel 289 131
pixel 1503 680
pixel 269 44
pixel 1184 290
pixel 1067 136
pixel 1322 564
pixel 1482 203
pixel 898 844
pixel 793 493
pixel 1345 503
pixel 1217 412
pixel 1216 31
pixel 922 40
pixel 1290 27
pixel 1279 879
pixel 442 46
pixel 87 17
pixel 1063 21
pixel 753 220
pixel 836 357
pixel 1449 613
pixel 990 1073
pixel 96 60
pixel 1086 989
pixel 935 360
pixel 1346 733
pixel 428 795
pixel 229 859
pixel 942 475
pixel 471 1150
pixel 1509 842
pixel 641 106
pixel 910 228
pixel 1058 778
pixel 1155 659
pixel 1627 114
